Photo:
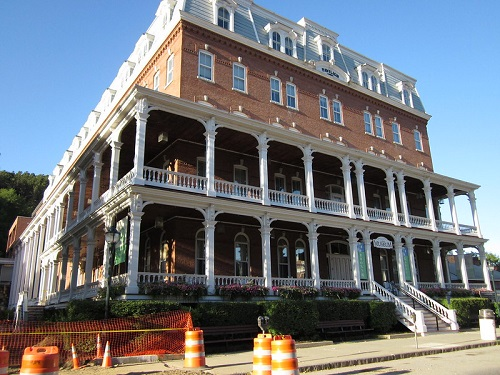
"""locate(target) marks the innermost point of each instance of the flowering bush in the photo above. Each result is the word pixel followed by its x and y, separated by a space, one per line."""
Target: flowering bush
pixel 241 290
pixel 340 293
pixel 162 288
pixel 295 292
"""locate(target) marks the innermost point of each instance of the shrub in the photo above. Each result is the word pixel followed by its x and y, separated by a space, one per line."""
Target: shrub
pixel 296 292
pixel 244 291
pixel 340 293
pixel 226 314
pixel 290 317
pixel 382 316
pixel 120 309
pixel 468 310
pixel 177 289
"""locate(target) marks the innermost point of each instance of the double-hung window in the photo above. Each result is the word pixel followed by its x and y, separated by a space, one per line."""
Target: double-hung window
pixel 156 81
pixel 368 123
pixel 276 42
pixel 396 133
pixel 275 90
pixel 364 77
pixel 327 52
pixel 379 129
pixel 239 77
pixel 324 111
pixel 289 46
pixel 291 95
pixel 223 18
pixel 418 140
pixel 205 65
pixel 170 70
pixel 337 112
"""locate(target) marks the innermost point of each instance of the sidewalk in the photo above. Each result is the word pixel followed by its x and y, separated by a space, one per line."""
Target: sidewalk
pixel 316 356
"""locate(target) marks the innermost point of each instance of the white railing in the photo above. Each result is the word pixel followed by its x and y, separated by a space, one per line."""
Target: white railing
pixel 468 229
pixel 240 280
pixel 401 218
pixel 238 191
pixel 174 180
pixel 445 226
pixel 379 215
pixel 358 211
pixel 454 286
pixel 287 281
pixel 331 207
pixel 477 286
pixel 428 285
pixel 365 287
pixel 338 283
pixel 411 318
pixel 151 277
pixel 448 316
pixel 420 222
pixel 281 198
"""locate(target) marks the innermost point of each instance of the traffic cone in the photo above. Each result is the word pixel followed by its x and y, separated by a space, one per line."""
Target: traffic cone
pixel 106 361
pixel 76 363
pixel 99 347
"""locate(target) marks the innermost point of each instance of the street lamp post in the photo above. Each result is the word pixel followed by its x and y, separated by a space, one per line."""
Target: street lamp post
pixel 112 236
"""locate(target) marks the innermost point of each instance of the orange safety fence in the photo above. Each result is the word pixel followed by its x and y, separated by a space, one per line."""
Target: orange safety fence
pixel 161 333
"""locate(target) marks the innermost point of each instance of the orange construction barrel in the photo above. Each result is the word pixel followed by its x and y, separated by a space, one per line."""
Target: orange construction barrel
pixel 40 360
pixel 284 356
pixel 4 361
pixel 194 354
pixel 262 354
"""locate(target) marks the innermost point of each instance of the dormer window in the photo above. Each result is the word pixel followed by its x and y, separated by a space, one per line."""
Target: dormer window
pixel 406 89
pixel 282 38
pixel 326 46
pixel 369 77
pixel 223 13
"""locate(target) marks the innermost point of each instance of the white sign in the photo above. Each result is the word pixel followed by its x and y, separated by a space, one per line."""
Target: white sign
pixel 382 243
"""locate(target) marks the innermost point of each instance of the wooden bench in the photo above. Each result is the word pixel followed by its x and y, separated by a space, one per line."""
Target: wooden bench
pixel 227 334
pixel 342 327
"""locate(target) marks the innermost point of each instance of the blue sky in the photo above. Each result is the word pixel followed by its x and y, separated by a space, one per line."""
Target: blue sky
pixel 58 57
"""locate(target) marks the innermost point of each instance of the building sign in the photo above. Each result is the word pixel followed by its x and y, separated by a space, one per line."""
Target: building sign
pixel 382 243
pixel 363 266
pixel 407 265
pixel 121 245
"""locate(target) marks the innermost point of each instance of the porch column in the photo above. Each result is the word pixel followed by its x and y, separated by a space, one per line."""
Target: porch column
pixel 389 178
pixel 308 170
pixel 210 134
pixel 312 235
pixel 263 173
pixel 71 202
pixel 29 265
pixel 44 275
pixel 81 194
pixel 438 264
pixel 89 258
pixel 107 254
pixel 353 247
pixel 60 220
pixel 346 173
pixel 141 117
pixel 135 215
pixel 411 257
pixel 37 272
pixel 484 266
pixel 360 181
pixel 96 182
pixel 115 162
pixel 74 267
pixel 265 230
pixel 430 204
pixel 453 208
pixel 402 197
pixel 210 214
pixel 369 257
pixel 475 216
pixel 64 271
pixel 461 263
pixel 54 266
pixel 398 247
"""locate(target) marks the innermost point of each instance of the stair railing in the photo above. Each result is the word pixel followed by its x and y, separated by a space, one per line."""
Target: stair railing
pixel 447 315
pixel 407 315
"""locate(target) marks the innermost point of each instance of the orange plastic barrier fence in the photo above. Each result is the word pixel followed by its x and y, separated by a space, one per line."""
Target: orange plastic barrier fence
pixel 4 362
pixel 161 333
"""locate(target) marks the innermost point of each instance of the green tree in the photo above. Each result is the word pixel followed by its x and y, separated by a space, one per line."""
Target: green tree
pixel 493 259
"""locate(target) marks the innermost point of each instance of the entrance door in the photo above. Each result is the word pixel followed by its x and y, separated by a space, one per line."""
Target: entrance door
pixel 340 267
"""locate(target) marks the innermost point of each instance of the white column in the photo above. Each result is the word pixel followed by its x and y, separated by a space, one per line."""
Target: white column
pixel 60 221
pixel 438 264
pixel 265 231
pixel 89 257
pixel 64 270
pixel 54 265
pixel 402 197
pixel 462 265
pixel 475 216
pixel 346 173
pixel 115 162
pixel 210 133
pixel 135 215
pixel 369 258
pixel 360 181
pixel 453 208
pixel 398 247
pixel 71 202
pixel 75 266
pixel 308 170
pixel 141 117
pixel 411 256
pixel 81 193
pixel 210 215
pixel 37 290
pixel 353 247
pixel 484 266
pixel 313 248
pixel 389 178
pixel 430 204
pixel 96 182
pixel 263 173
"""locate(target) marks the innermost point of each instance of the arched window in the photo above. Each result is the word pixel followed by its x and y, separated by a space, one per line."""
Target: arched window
pixel 375 85
pixel 223 18
pixel 241 255
pixel 289 46
pixel 276 41
pixel 300 259
pixel 327 52
pixel 364 77
pixel 200 252
pixel 283 258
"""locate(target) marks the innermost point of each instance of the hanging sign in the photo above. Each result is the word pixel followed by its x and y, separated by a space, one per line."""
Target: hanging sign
pixel 407 265
pixel 382 243
pixel 363 267
pixel 121 245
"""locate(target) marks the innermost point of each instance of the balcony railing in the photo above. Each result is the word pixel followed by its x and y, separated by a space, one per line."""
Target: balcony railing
pixel 174 180
pixel 282 198
pixel 331 207
pixel 338 283
pixel 380 215
pixel 420 222
pixel 288 281
pixel 238 191
pixel 241 280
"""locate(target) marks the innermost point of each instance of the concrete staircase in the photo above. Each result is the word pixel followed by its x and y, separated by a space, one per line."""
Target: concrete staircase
pixel 432 322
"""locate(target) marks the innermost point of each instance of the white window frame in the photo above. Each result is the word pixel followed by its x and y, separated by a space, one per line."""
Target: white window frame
pixel 417 136
pixel 407 97
pixel 241 168
pixel 379 127
pixel 156 81
pixel 339 112
pixel 279 176
pixel 278 81
pixel 296 180
pixel 396 135
pixel 284 33
pixel 406 91
pixel 283 241
pixel 291 98
pixel 230 6
pixel 200 237
pixel 289 46
pixel 326 48
pixel 368 77
pixel 335 193
pixel 324 108
pixel 202 65
pixel 301 244
pixel 224 19
pixel 170 70
pixel 365 114
pixel 239 79
pixel 237 244
pixel 201 161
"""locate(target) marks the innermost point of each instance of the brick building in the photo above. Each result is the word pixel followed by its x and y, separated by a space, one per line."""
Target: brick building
pixel 237 146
